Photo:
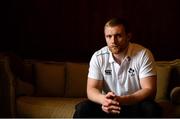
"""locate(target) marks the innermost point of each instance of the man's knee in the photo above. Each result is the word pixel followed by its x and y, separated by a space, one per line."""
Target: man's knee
pixel 85 109
pixel 82 105
pixel 151 109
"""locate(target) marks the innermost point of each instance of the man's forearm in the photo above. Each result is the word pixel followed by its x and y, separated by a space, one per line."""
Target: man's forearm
pixel 95 95
pixel 136 97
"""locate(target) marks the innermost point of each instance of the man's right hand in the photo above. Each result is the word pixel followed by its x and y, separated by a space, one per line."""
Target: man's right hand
pixel 110 105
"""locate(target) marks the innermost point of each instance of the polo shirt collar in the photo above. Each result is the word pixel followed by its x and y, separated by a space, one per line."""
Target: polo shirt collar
pixel 127 57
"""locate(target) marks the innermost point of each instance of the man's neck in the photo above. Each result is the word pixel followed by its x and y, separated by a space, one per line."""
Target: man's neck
pixel 120 56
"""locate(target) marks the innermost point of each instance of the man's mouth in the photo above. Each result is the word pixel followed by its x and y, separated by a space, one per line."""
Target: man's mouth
pixel 114 46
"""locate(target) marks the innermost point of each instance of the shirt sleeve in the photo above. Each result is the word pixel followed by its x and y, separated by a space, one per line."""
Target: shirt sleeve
pixel 147 67
pixel 94 68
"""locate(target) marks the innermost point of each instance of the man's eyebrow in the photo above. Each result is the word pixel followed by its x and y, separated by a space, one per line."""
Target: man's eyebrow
pixel 117 34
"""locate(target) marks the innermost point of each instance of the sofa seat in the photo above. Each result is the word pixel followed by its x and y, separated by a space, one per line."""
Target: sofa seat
pixel 176 112
pixel 49 107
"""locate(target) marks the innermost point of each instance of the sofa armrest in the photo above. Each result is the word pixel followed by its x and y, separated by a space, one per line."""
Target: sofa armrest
pixel 24 88
pixel 175 95
pixel 7 87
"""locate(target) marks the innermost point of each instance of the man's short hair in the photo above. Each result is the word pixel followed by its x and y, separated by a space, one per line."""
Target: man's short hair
pixel 118 21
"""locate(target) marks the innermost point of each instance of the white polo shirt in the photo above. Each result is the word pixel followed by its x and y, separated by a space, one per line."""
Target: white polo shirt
pixel 125 78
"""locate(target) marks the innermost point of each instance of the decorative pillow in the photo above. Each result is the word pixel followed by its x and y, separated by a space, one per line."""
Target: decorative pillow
pixel 175 74
pixel 28 71
pixel 50 79
pixel 76 79
pixel 175 95
pixel 24 88
pixel 163 78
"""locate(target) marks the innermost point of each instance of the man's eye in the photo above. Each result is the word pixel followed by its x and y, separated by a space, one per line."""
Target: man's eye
pixel 118 35
pixel 108 36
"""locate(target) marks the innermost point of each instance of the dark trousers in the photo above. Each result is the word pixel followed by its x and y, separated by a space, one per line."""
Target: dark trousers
pixel 89 109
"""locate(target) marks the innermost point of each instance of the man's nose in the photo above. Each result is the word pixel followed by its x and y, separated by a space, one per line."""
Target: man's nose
pixel 114 39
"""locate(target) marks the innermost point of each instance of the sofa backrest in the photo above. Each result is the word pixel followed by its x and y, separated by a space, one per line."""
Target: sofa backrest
pixel 68 79
pixel 49 78
pixel 168 77
pixel 60 79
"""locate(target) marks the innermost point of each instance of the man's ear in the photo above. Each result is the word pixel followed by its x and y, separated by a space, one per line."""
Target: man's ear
pixel 129 36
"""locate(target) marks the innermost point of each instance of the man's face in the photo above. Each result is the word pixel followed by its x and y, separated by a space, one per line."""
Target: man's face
pixel 116 38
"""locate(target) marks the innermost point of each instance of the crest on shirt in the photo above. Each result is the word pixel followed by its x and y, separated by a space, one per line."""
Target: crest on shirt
pixel 131 71
pixel 108 72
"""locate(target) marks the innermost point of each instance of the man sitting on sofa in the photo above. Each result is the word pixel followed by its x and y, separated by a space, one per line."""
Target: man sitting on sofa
pixel 121 78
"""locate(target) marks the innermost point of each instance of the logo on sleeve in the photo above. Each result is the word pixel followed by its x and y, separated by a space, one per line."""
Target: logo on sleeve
pixel 108 72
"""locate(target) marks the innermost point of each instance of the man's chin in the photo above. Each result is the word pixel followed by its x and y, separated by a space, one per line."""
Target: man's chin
pixel 114 50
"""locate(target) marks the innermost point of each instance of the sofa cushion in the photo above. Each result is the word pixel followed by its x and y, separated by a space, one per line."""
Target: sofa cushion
pixel 167 108
pixel 46 107
pixel 50 79
pixel 175 74
pixel 163 78
pixel 76 79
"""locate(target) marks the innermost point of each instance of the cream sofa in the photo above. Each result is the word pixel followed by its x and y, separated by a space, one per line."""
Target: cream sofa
pixel 52 88
pixel 58 86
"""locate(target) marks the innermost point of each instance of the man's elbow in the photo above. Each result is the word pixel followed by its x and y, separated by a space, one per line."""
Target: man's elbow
pixel 152 93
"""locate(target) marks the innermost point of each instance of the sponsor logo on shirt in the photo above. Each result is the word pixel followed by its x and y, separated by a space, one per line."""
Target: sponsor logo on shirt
pixel 108 72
